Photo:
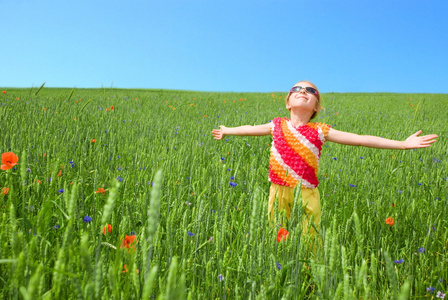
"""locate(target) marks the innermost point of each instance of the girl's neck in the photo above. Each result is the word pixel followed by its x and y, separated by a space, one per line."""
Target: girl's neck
pixel 297 120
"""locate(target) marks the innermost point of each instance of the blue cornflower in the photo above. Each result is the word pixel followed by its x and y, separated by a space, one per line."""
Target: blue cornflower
pixel 119 168
pixel 228 170
pixel 352 185
pixel 190 233
pixel 421 249
pixel 220 277
pixel 419 183
pixel 279 266
pixel 361 157
pixel 232 177
pixel 28 170
pixel 61 191
pixel 132 233
pixel 233 184
pixel 400 261
pixel 335 158
pixel 87 219
pixel 56 227
pixel 222 158
pixel 430 289
pixel 120 179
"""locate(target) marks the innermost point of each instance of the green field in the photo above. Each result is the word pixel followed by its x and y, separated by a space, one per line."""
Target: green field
pixel 167 182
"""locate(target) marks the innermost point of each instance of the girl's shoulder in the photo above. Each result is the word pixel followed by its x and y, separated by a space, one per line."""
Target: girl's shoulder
pixel 322 126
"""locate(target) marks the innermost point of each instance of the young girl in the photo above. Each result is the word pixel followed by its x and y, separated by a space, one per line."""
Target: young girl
pixel 296 148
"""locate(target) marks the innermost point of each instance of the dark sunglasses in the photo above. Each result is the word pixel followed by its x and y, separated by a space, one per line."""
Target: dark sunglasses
pixel 308 89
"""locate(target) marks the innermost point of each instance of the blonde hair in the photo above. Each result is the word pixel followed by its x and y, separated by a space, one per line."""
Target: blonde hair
pixel 319 107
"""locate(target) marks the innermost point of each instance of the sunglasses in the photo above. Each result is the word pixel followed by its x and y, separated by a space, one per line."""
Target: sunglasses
pixel 308 89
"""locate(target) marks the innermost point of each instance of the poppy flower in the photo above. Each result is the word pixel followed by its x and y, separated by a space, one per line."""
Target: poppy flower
pixel 9 160
pixel 282 234
pixel 128 242
pixel 4 92
pixel 60 173
pixel 109 229
pixel 93 140
pixel 5 190
pixel 112 107
pixel 101 190
pixel 390 221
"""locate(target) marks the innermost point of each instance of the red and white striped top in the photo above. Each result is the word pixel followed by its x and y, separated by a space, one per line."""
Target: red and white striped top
pixel 295 152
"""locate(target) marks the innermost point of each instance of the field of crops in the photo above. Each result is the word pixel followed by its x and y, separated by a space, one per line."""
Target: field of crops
pixel 125 194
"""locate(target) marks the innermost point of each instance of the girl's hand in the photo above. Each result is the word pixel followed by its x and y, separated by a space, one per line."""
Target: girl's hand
pixel 219 133
pixel 416 141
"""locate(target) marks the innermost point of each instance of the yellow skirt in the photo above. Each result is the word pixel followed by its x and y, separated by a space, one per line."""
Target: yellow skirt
pixel 310 202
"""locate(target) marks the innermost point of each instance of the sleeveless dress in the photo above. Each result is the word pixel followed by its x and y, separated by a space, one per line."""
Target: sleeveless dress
pixel 294 159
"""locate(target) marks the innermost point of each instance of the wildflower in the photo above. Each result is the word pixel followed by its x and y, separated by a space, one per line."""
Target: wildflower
pixel 400 261
pixel 233 184
pixel 390 221
pixel 187 203
pixel 282 234
pixel 210 239
pixel 334 158
pixel 5 190
pixel 419 183
pixel 222 158
pixel 440 295
pixel 430 289
pixel 279 266
pixel 60 173
pixel 93 140
pixel 220 277
pixel 28 170
pixel 56 227
pixel 4 92
pixel 361 157
pixel 120 179
pixel 128 241
pixel 61 191
pixel 125 269
pixel 9 160
pixel 232 177
pixel 352 185
pixel 101 190
pixel 109 229
pixel 87 219
pixel 190 233
pixel 421 249
pixel 112 107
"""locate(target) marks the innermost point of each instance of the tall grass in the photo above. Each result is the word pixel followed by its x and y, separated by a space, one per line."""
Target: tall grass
pixel 196 236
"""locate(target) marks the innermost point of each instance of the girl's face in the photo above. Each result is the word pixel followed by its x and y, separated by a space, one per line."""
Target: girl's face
pixel 302 99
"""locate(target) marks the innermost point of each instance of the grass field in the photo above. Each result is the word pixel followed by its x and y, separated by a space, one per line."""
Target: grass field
pixel 188 214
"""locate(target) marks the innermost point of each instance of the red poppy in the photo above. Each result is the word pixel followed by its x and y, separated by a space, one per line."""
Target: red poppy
pixel 107 109
pixel 93 141
pixel 128 241
pixel 390 221
pixel 4 92
pixel 101 190
pixel 5 190
pixel 60 173
pixel 112 107
pixel 109 228
pixel 9 160
pixel 282 234
pixel 125 269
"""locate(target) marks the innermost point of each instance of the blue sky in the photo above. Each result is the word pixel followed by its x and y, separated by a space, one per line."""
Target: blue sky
pixel 242 45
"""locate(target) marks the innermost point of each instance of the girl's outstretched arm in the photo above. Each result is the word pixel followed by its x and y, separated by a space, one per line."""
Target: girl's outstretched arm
pixel 412 142
pixel 255 130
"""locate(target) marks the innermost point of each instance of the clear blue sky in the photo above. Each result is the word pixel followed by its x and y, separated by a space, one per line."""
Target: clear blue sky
pixel 226 45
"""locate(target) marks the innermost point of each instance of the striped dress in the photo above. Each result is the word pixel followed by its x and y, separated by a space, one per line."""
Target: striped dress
pixel 295 152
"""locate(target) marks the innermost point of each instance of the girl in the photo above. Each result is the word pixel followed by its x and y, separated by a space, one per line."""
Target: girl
pixel 296 148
